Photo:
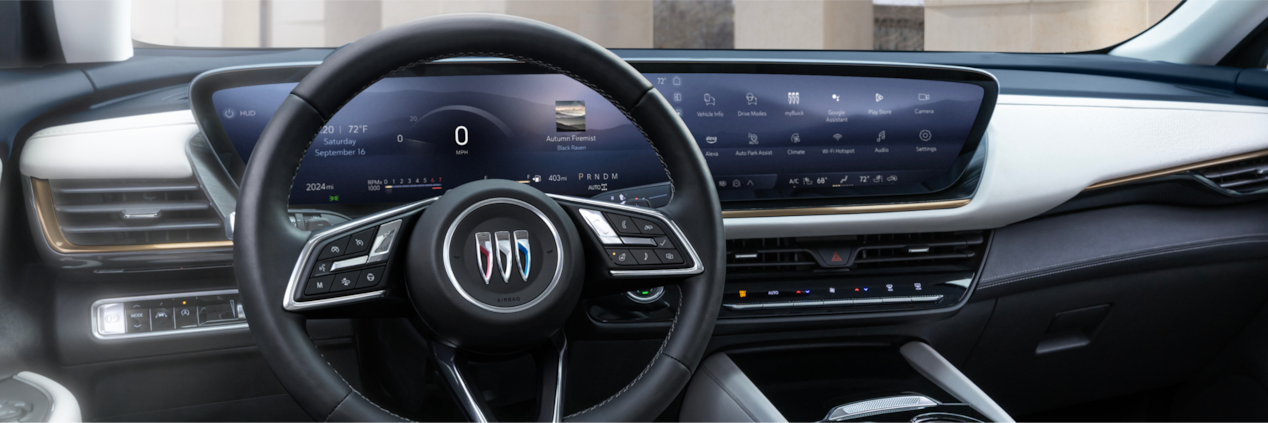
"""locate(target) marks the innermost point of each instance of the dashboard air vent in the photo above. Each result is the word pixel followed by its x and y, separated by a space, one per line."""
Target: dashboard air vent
pixel 890 250
pixel 134 212
pixel 1244 176
pixel 772 256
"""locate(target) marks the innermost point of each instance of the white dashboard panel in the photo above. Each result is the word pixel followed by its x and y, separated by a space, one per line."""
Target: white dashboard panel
pixel 1042 151
pixel 143 146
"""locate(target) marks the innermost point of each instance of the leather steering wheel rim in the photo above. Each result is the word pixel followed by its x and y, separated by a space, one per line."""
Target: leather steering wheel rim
pixel 266 244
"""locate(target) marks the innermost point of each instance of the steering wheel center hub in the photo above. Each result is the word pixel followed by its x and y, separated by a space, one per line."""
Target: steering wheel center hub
pixel 503 255
pixel 495 266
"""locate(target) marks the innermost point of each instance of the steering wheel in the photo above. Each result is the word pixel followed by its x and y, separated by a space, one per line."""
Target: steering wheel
pixel 436 258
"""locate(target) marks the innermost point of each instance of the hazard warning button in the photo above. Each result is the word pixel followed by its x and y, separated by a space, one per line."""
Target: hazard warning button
pixel 836 257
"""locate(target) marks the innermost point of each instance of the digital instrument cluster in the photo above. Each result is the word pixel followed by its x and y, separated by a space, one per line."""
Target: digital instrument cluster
pixel 764 136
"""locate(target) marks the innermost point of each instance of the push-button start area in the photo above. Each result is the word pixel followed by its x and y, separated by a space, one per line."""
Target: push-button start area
pixel 492 264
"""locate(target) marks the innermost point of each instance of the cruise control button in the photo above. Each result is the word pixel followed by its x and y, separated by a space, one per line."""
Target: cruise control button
pixel 663 242
pixel 622 257
pixel 370 277
pixel 669 256
pixel 334 249
pixel 323 267
pixel 360 242
pixel 319 285
pixel 648 227
pixel 344 281
pixel 623 224
pixel 645 256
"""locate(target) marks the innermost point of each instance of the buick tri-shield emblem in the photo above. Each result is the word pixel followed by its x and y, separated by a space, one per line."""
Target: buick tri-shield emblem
pixel 484 255
pixel 511 253
pixel 522 257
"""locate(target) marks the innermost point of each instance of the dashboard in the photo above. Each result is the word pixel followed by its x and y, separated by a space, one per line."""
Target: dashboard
pixel 769 132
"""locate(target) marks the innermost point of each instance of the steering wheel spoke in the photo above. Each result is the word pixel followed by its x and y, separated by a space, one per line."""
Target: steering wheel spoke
pixel 629 248
pixel 349 269
pixel 549 359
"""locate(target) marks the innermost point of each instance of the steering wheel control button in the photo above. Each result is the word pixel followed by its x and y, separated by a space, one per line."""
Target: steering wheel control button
pixel 323 267
pixel 334 249
pixel 622 257
pixel 319 285
pixel 623 224
pixel 139 320
pixel 161 319
pixel 360 242
pixel 383 241
pixel 346 263
pixel 669 256
pixel 344 281
pixel 648 227
pixel 600 226
pixel 646 296
pixel 645 256
pixel 370 278
pixel 631 240
pixel 663 242
pixel 111 319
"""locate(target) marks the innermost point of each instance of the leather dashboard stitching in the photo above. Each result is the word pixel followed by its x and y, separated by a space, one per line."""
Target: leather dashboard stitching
pixel 659 352
pixel 1139 254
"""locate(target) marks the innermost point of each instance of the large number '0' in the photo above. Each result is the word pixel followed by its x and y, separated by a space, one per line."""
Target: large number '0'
pixel 460 139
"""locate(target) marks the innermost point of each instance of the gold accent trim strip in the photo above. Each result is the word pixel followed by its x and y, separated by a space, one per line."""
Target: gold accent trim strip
pixel 1176 169
pixel 44 211
pixel 876 208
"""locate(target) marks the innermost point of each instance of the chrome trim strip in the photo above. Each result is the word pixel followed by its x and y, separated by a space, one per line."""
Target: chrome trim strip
pixel 559 383
pixel 355 261
pixel 559 260
pixel 288 299
pixel 880 406
pixel 96 333
pixel 697 267
pixel 632 240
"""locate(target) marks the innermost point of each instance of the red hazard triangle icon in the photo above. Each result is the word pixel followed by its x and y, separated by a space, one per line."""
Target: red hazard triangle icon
pixel 836 256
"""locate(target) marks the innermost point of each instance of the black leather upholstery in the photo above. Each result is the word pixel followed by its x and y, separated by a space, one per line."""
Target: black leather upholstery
pixel 266 246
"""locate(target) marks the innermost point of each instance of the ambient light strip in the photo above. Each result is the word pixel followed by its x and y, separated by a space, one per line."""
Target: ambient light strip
pixel 1175 170
pixel 874 208
pixel 42 194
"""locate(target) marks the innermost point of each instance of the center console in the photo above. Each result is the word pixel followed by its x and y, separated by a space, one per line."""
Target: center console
pixel 856 382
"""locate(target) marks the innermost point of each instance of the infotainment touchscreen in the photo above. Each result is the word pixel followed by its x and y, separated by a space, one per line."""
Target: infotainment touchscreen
pixel 762 135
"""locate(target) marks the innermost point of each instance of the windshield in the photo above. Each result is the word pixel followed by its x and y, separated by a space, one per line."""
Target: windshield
pixel 911 25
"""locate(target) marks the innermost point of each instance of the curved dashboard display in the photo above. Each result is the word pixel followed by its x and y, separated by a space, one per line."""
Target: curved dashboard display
pixel 764 136
pixel 406 139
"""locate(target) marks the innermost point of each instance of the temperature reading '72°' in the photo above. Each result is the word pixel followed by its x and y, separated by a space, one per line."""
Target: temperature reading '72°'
pixel 358 129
